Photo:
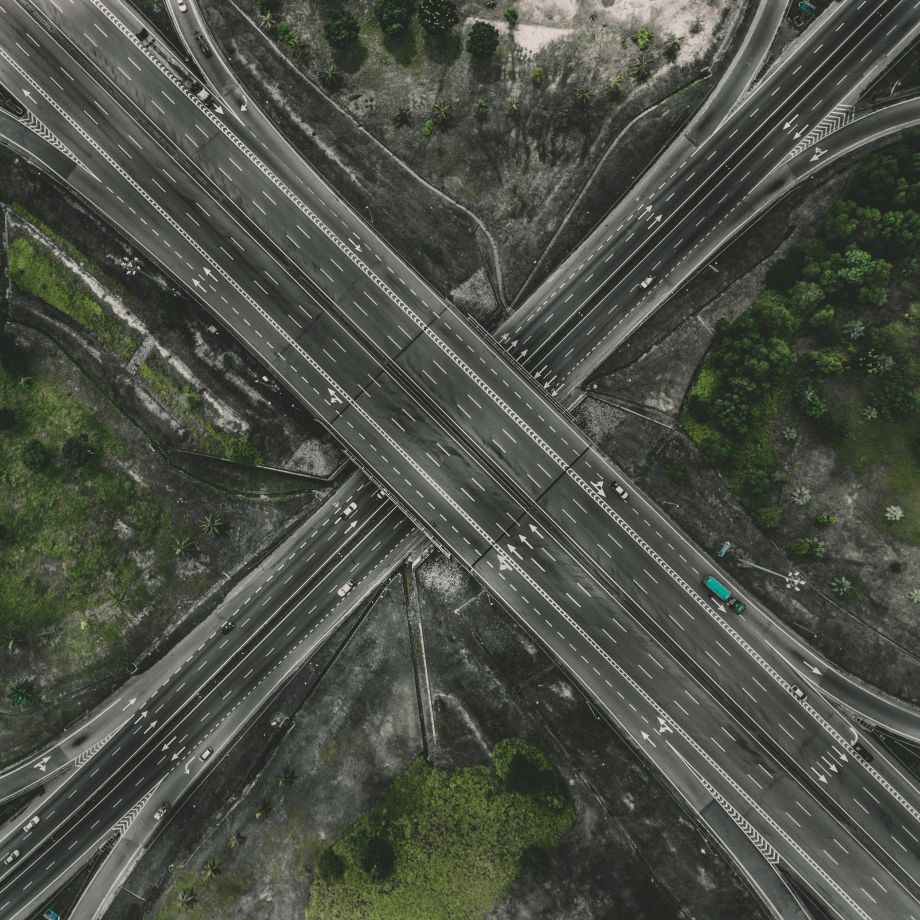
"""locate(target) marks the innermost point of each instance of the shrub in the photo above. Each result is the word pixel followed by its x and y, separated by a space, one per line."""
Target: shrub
pixel 808 547
pixel 768 517
pixel 20 694
pixel 437 17
pixel 826 520
pixel 482 40
pixel 341 30
pixel 827 361
pixel 35 456
pixel 536 75
pixel 77 450
pixel 511 17
pixel 643 38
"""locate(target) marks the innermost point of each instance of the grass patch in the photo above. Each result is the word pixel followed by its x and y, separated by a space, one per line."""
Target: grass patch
pixel 61 550
pixel 444 843
pixel 42 276
pixel 186 404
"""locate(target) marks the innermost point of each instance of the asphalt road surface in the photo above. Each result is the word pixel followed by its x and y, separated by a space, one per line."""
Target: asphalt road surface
pixel 475 454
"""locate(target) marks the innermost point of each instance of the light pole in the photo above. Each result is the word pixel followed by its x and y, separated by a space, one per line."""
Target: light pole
pixel 794 580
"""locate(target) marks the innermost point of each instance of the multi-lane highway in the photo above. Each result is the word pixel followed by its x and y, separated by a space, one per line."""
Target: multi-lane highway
pixel 474 453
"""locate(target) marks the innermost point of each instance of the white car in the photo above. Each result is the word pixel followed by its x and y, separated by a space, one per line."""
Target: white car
pixel 161 811
pixel 11 858
pixel 350 509
pixel 346 588
pixel 644 284
pixel 182 7
pixel 206 753
pixel 619 490
pixel 798 692
pixel 31 823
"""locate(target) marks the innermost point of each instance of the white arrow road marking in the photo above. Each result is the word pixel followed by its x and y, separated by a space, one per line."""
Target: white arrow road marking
pixel 333 396
pixel 811 667
pixel 42 764
pixel 647 737
pixel 534 530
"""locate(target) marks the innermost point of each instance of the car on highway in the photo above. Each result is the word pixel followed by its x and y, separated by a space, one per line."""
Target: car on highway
pixel 161 811
pixel 144 37
pixel 720 594
pixel 202 44
pixel 350 509
pixel 50 914
pixel 646 282
pixel 619 489
pixel 206 753
pixel 227 627
pixel 799 693
pixel 181 5
pixel 30 823
pixel 862 752
pixel 10 858
pixel 346 588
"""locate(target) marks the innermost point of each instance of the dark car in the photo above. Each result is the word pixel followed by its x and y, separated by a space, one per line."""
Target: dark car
pixel 227 627
pixel 202 44
pixel 862 752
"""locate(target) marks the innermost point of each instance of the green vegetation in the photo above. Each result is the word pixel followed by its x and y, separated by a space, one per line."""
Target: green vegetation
pixel 341 29
pixel 444 843
pixel 643 38
pixel 511 17
pixel 185 404
pixel 437 17
pixel 62 551
pixel 39 274
pixel 482 40
pixel 833 341
pixel 394 17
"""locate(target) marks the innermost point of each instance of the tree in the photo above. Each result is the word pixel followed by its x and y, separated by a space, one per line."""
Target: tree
pixel 212 524
pixel 187 897
pixel 842 587
pixel 212 868
pixel 77 450
pixel 236 840
pixel 35 456
pixel 266 21
pixel 827 361
pixel 480 106
pixel 331 77
pixel 441 113
pixel 915 596
pixel 263 808
pixel 825 520
pixel 583 95
pixel 394 17
pixel 379 858
pixel 671 47
pixel 181 545
pixel 437 17
pixel 894 513
pixel 640 66
pixel 482 40
pixel 536 75
pixel 341 30
pixel 854 329
pixel 513 106
pixel 801 496
pixel 285 777
pixel 613 85
pixel 402 117
pixel 511 17
pixel 7 419
pixel 768 517
pixel 20 694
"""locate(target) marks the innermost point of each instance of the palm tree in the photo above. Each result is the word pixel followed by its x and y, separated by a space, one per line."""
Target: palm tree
pixel 263 808
pixel 640 66
pixel 212 524
pixel 402 117
pixel 481 106
pixel 187 897
pixel 181 545
pixel 285 777
pixel 583 96
pixel 513 106
pixel 331 77
pixel 441 112
pixel 266 21
pixel 212 869
pixel 236 839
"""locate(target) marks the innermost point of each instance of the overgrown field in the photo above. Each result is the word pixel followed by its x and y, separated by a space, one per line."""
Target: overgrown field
pixel 444 843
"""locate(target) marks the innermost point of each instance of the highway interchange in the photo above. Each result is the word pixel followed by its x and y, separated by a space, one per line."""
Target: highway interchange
pixel 472 451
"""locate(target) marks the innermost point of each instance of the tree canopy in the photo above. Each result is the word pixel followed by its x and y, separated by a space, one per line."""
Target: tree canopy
pixel 482 40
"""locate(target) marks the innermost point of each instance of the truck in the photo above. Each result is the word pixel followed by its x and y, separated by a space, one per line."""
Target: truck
pixel 720 593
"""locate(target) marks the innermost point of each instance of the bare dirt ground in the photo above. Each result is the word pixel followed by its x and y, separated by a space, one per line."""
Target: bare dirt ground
pixel 517 171
pixel 876 635
pixel 632 851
